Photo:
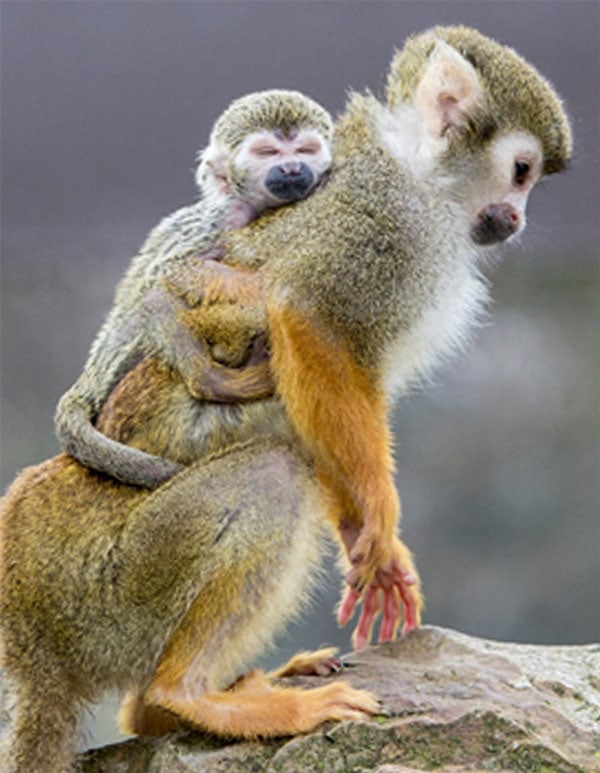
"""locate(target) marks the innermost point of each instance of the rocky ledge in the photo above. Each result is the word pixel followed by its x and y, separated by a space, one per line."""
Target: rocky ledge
pixel 450 703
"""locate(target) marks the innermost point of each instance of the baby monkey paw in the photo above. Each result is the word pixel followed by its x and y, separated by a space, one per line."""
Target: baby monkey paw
pixel 394 593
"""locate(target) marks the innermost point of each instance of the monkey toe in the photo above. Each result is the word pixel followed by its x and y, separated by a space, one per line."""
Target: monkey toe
pixel 319 663
pixel 342 702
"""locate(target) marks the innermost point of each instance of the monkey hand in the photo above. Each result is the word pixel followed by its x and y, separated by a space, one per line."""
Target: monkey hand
pixel 369 546
pixel 394 592
pixel 209 281
pixel 222 384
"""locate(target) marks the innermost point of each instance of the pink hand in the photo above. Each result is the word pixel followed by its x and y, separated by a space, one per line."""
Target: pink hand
pixel 395 593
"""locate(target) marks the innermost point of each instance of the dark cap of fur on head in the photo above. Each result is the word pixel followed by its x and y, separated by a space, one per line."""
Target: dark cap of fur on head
pixel 273 109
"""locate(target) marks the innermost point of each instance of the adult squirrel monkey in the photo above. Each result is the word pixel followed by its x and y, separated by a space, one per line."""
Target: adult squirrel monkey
pixel 375 279
pixel 369 281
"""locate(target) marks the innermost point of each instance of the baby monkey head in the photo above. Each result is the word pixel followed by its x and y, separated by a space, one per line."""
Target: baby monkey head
pixel 267 149
pixel 493 125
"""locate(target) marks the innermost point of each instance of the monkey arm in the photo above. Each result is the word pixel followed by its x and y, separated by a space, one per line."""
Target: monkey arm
pixel 207 280
pixel 340 412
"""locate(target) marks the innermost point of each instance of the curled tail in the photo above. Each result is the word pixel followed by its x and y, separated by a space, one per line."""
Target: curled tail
pixel 79 438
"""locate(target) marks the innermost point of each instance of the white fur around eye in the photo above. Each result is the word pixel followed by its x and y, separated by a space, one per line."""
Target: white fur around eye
pixel 517 146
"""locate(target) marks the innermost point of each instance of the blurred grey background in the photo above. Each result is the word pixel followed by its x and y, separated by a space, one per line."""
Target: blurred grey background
pixel 104 106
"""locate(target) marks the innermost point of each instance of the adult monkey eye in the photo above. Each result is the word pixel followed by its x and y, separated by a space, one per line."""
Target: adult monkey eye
pixel 521 172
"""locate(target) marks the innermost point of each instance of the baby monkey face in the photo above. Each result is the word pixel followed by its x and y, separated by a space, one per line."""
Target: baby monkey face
pixel 276 167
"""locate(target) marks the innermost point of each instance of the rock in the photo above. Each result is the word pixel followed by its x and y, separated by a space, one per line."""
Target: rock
pixel 450 703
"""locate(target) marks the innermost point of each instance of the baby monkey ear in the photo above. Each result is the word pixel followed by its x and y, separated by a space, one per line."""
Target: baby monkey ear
pixel 211 172
pixel 449 90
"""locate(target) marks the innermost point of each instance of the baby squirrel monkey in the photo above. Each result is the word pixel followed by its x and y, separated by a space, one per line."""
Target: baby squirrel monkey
pixel 369 281
pixel 267 149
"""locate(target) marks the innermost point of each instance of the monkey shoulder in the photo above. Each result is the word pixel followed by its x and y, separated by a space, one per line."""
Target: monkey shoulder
pixel 178 237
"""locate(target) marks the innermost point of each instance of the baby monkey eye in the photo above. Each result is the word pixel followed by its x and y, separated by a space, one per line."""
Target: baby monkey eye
pixel 308 150
pixel 521 172
pixel 264 151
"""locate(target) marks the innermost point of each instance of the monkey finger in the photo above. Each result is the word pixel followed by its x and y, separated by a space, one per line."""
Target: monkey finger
pixel 411 602
pixel 355 580
pixel 260 351
pixel 390 617
pixel 370 609
pixel 347 606
pixel 357 556
pixel 363 548
pixel 330 666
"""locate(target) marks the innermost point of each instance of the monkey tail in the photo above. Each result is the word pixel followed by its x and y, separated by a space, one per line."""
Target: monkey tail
pixel 79 438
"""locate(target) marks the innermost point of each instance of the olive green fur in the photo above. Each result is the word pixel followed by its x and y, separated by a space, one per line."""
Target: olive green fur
pixel 96 576
pixel 351 255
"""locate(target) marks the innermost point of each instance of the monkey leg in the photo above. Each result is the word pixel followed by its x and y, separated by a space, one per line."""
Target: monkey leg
pixel 45 721
pixel 253 705
pixel 256 569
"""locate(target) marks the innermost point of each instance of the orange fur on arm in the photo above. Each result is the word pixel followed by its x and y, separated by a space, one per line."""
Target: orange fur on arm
pixel 339 410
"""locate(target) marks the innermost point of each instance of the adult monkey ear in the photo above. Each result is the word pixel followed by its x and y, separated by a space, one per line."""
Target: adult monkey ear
pixel 449 90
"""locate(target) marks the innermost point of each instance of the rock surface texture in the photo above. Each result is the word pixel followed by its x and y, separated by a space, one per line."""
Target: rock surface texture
pixel 450 703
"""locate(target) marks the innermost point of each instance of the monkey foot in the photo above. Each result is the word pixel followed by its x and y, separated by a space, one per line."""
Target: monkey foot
pixel 256 708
